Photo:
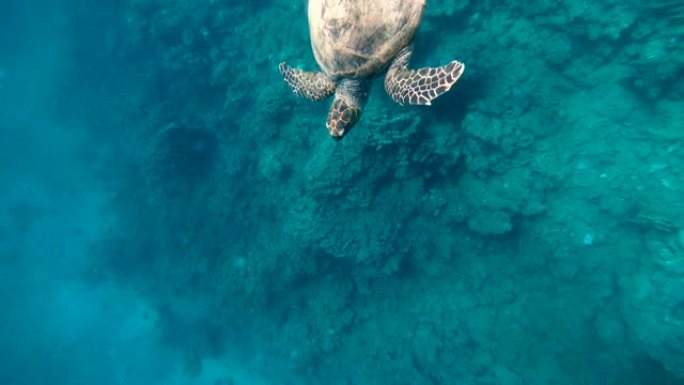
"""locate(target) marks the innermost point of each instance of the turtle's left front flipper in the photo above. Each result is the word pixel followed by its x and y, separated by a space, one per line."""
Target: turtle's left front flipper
pixel 419 86
pixel 311 85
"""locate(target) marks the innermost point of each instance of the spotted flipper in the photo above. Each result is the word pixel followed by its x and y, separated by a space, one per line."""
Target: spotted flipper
pixel 421 86
pixel 311 85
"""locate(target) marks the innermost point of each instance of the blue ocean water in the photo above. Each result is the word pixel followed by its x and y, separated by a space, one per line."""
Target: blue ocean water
pixel 171 213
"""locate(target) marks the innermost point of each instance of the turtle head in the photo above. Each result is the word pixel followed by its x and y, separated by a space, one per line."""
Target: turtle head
pixel 350 97
pixel 341 118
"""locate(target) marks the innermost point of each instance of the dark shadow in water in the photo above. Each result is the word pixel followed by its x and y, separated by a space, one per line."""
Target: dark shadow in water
pixel 652 372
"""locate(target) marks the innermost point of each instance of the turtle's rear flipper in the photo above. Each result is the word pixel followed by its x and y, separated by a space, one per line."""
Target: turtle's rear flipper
pixel 311 85
pixel 419 86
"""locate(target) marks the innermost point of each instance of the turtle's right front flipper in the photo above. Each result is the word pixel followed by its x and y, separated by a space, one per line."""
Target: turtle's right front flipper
pixel 421 86
pixel 311 85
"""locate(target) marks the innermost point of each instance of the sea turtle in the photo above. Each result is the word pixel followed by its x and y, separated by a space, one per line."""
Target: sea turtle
pixel 353 40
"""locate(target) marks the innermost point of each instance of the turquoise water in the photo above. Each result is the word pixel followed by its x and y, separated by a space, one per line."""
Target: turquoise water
pixel 170 213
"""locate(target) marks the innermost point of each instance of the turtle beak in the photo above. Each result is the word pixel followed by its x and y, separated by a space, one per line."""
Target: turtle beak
pixel 336 132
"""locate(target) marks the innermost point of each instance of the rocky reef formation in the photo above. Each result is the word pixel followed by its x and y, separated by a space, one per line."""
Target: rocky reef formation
pixel 521 230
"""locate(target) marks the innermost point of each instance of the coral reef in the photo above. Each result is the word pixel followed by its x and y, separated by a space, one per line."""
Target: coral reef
pixel 508 234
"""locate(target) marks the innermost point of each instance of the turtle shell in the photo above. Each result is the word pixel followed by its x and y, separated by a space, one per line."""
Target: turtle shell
pixel 358 38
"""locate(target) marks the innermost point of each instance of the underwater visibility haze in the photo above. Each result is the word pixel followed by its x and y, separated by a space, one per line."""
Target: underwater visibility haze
pixel 171 213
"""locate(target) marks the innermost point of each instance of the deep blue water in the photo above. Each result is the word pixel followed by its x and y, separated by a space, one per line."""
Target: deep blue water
pixel 171 213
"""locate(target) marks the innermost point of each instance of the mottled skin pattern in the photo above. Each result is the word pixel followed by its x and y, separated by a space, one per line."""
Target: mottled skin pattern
pixel 354 40
pixel 422 86
pixel 342 114
pixel 350 98
pixel 310 85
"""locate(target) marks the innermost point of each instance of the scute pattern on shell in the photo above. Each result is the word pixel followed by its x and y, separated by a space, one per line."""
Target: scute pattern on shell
pixel 358 38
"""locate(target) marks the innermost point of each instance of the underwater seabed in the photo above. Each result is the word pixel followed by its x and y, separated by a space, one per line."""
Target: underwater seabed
pixel 171 213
